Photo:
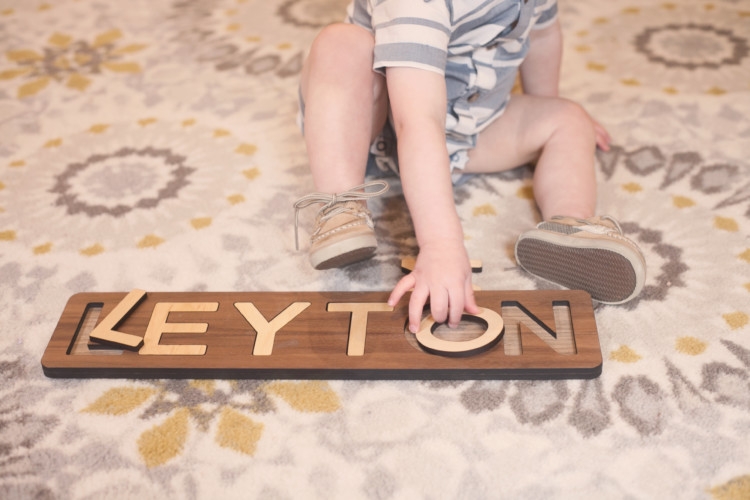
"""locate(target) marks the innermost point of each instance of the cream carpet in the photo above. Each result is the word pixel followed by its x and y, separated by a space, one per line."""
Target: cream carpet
pixel 152 144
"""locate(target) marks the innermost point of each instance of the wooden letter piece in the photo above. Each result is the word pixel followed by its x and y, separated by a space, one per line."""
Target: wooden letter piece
pixel 358 325
pixel 105 332
pixel 519 334
pixel 266 331
pixel 158 325
pixel 488 339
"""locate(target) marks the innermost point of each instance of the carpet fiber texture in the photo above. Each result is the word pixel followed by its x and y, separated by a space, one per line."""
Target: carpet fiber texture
pixel 152 144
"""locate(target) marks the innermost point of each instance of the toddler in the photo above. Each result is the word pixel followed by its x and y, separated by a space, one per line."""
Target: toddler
pixel 434 77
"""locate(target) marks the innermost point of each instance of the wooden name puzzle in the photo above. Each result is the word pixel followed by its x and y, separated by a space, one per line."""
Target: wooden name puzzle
pixel 323 335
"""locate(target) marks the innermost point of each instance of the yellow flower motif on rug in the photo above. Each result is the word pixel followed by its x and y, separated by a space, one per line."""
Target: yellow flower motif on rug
pixel 205 404
pixel 690 346
pixel 70 61
pixel 625 355
pixel 736 489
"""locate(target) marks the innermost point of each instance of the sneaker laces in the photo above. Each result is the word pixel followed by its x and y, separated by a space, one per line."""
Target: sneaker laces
pixel 593 227
pixel 334 203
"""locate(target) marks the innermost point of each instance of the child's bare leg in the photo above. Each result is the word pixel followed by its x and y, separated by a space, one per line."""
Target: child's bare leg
pixel 565 178
pixel 592 254
pixel 557 135
pixel 345 106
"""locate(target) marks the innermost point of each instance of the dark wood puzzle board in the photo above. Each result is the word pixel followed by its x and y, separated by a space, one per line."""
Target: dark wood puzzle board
pixel 312 335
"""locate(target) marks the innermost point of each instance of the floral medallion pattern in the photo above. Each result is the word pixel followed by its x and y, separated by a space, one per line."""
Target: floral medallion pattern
pixel 71 62
pixel 154 146
pixel 125 184
pixel 688 47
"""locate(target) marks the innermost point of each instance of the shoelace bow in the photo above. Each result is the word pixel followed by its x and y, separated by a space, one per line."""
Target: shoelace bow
pixel 333 202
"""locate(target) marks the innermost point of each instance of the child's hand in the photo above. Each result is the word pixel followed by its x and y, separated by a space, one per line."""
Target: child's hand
pixel 442 274
pixel 603 139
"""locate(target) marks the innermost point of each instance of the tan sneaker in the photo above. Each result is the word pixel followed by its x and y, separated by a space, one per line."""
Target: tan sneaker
pixel 584 254
pixel 344 232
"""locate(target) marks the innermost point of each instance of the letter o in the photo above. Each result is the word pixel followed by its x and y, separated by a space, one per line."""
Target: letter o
pixel 430 343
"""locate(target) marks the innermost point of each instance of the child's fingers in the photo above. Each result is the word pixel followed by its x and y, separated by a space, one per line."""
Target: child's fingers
pixel 603 138
pixel 416 306
pixel 455 314
pixel 470 304
pixel 404 285
pixel 416 303
pixel 441 305
pixel 459 304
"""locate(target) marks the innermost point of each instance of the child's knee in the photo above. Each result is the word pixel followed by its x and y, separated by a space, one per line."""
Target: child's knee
pixel 570 117
pixel 344 44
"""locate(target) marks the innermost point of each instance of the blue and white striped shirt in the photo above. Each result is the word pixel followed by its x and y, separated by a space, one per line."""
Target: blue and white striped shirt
pixel 477 45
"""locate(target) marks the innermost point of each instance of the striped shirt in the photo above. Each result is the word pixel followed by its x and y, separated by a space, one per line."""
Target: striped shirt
pixel 477 45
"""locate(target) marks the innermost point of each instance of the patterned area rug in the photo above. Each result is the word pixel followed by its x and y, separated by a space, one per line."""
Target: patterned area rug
pixel 152 144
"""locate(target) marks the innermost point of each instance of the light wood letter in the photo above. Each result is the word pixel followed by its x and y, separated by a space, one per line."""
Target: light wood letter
pixel 432 344
pixel 266 331
pixel 358 323
pixel 157 325
pixel 105 331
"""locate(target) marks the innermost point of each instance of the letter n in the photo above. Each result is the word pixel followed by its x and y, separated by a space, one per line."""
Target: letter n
pixel 561 339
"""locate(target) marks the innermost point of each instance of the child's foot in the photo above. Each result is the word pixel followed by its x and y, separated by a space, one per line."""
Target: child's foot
pixel 344 232
pixel 591 255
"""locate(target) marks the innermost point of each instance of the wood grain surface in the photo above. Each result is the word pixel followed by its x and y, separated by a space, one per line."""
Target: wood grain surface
pixel 331 335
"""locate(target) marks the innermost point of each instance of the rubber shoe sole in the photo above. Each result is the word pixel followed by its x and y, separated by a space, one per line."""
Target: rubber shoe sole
pixel 610 271
pixel 344 252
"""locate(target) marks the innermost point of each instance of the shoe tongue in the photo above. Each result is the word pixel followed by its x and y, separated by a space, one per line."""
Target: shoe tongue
pixel 344 210
pixel 353 207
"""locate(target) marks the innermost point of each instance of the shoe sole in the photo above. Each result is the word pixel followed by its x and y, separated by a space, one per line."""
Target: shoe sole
pixel 610 272
pixel 344 252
